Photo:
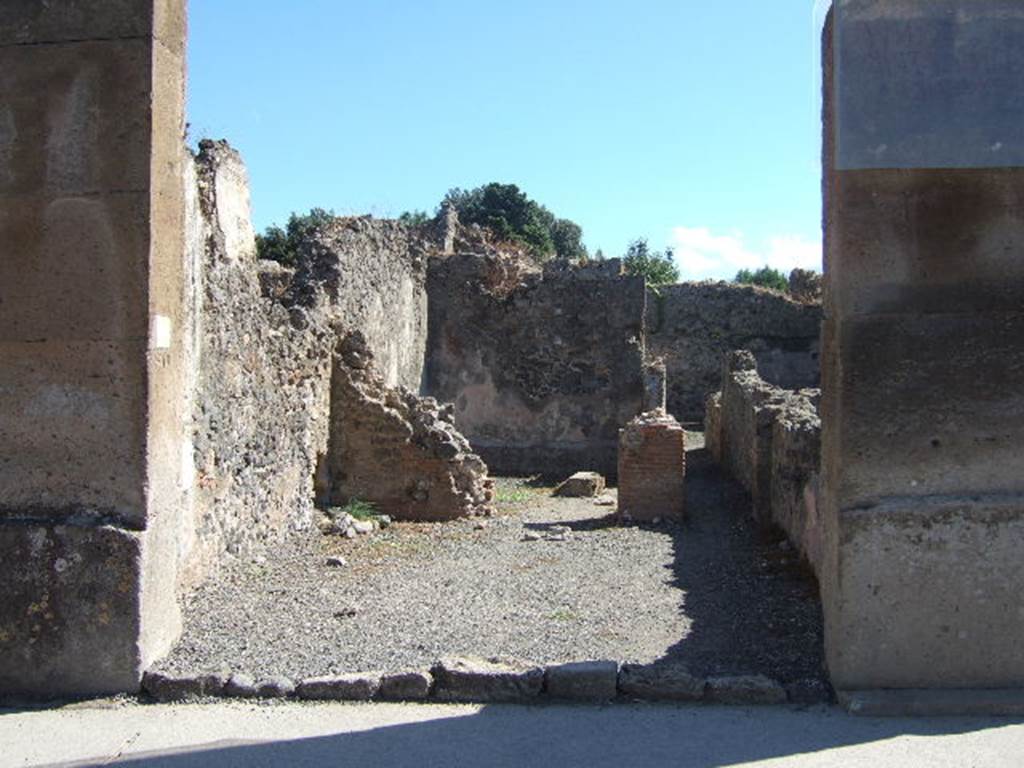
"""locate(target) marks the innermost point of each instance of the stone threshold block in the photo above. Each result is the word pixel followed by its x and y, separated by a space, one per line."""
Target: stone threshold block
pixel 652 468
pixel 932 702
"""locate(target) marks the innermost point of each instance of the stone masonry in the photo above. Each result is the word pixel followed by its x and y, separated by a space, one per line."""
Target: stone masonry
pixel 396 450
pixel 652 468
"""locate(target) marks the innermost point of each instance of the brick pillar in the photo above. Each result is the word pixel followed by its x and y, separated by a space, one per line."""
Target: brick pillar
pixel 923 345
pixel 93 443
pixel 652 468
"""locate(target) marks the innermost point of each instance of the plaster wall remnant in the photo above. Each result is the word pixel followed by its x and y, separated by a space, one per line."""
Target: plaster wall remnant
pixel 544 367
pixel 93 502
pixel 399 451
pixel 652 468
pixel 768 439
pixel 922 493
pixel 692 325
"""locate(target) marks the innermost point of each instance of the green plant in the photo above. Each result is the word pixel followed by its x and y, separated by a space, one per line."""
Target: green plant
pixel 511 495
pixel 656 267
pixel 361 510
pixel 414 218
pixel 282 245
pixel 766 277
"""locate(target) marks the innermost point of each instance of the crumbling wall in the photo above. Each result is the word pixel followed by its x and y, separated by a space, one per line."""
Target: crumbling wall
pixel 768 439
pixel 652 468
pixel 366 274
pixel 396 450
pixel 543 367
pixel 260 418
pixel 692 325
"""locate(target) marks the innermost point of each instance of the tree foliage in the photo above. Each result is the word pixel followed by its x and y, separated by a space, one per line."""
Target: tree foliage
pixel 766 277
pixel 414 218
pixel 506 211
pixel 282 245
pixel 657 267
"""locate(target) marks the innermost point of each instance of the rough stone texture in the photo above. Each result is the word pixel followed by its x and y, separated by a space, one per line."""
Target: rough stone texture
pixel 92 502
pixel 922 495
pixel 660 682
pixel 795 462
pixel 262 399
pixel 745 689
pixel 275 688
pixel 486 680
pixel 543 367
pixel 165 687
pixel 805 286
pixel 652 468
pixel 360 273
pixel 405 686
pixel 352 687
pixel 397 450
pixel 581 484
pixel 692 325
pixel 583 680
pixel 240 686
pixel 713 426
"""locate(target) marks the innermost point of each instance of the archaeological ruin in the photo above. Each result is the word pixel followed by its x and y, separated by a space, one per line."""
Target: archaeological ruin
pixel 173 404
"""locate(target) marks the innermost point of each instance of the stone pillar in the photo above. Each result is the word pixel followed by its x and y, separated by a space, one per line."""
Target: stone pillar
pixel 654 385
pixel 923 355
pixel 652 468
pixel 94 459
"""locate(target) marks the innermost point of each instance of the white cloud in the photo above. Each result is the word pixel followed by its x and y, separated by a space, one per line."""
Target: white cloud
pixel 702 254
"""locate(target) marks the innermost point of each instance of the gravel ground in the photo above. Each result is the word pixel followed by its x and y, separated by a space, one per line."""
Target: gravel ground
pixel 713 592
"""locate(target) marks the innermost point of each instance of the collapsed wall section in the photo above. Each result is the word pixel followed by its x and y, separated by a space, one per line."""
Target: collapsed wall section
pixel 692 325
pixel 768 439
pixel 544 367
pixel 396 450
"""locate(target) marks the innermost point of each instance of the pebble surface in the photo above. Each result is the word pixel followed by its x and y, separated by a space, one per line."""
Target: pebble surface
pixel 712 593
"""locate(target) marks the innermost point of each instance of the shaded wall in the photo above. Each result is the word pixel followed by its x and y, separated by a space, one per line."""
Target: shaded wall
pixel 93 341
pixel 543 367
pixel 693 325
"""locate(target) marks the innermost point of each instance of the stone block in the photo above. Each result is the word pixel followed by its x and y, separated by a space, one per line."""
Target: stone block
pixel 359 686
pixel 275 688
pixel 581 484
pixel 583 680
pixel 652 467
pixel 931 702
pixel 167 687
pixel 486 680
pixel 69 619
pixel 745 689
pixel 240 686
pixel 413 685
pixel 657 682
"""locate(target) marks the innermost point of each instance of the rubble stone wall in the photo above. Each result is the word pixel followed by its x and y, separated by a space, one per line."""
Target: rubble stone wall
pixel 692 325
pixel 396 450
pixel 544 368
pixel 768 439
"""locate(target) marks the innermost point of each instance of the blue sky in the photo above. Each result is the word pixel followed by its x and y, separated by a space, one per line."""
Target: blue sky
pixel 691 123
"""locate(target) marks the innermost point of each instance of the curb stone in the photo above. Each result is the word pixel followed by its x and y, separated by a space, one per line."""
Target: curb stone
pixel 360 686
pixel 583 680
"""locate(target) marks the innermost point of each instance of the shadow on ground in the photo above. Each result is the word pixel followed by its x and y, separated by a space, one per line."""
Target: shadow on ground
pixel 596 737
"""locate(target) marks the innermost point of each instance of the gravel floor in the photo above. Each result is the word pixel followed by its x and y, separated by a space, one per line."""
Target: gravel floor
pixel 712 592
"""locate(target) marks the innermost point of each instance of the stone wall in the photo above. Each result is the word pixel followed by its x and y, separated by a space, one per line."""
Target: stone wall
pixel 543 367
pixel 768 439
pixel 692 325
pixel 652 468
pixel 396 450
pixel 260 416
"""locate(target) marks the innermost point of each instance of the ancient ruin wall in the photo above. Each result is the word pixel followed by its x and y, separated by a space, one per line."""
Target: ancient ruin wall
pixel 692 325
pixel 366 274
pixel 768 439
pixel 260 418
pixel 543 368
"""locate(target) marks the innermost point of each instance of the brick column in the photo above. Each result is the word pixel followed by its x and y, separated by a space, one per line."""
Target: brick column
pixel 652 468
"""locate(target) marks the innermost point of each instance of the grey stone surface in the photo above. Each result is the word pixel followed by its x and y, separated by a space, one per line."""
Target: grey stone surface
pixel 275 688
pixel 933 702
pixel 660 682
pixel 486 680
pixel 581 484
pixel 412 685
pixel 360 686
pixel 692 325
pixel 745 689
pixel 543 367
pixel 582 680
pixel 240 686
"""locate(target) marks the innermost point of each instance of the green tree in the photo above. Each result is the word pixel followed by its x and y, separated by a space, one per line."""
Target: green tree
pixel 766 277
pixel 657 267
pixel 414 218
pixel 282 245
pixel 511 215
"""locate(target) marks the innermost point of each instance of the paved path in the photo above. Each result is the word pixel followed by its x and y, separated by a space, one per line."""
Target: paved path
pixel 229 734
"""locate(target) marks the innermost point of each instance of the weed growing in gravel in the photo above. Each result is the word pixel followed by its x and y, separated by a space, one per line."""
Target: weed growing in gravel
pixel 361 510
pixel 563 614
pixel 511 495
